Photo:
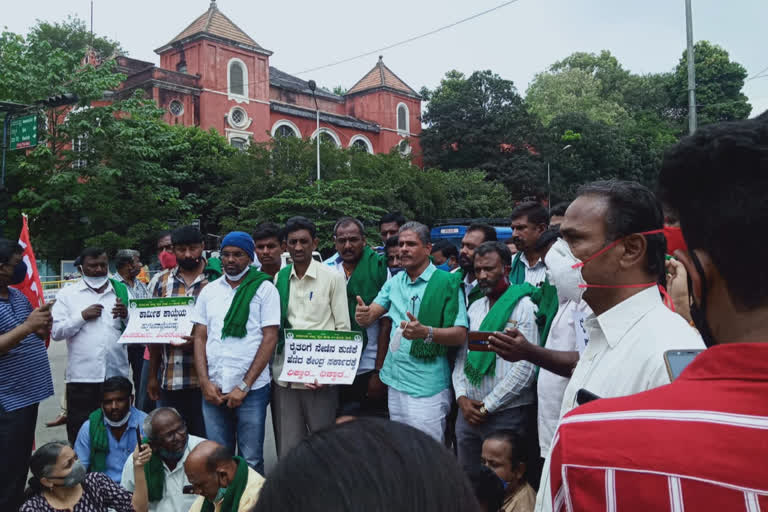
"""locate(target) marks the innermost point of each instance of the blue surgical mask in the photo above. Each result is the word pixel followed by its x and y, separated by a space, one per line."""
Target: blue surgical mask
pixel 445 267
pixel 395 270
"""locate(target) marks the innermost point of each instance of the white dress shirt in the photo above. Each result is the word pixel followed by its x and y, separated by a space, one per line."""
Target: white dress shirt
pixel 534 274
pixel 173 500
pixel 625 355
pixel 512 384
pixel 567 333
pixel 368 357
pixel 230 358
pixel 93 353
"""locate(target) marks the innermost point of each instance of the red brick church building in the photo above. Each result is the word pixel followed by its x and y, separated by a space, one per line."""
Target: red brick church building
pixel 213 75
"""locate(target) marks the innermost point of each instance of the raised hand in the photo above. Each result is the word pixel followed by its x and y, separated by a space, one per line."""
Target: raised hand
pixel 362 313
pixel 412 329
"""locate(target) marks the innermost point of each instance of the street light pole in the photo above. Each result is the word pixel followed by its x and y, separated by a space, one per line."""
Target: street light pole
pixel 691 69
pixel 549 182
pixel 312 87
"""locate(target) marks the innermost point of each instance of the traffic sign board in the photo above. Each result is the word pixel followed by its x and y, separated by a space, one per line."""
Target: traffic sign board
pixel 24 132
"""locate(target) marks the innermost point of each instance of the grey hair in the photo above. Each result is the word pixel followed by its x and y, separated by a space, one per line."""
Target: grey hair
pixel 349 220
pixel 420 229
pixel 151 416
pixel 125 257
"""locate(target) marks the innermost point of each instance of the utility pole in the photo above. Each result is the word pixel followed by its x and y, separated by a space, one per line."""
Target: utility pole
pixel 691 70
pixel 312 86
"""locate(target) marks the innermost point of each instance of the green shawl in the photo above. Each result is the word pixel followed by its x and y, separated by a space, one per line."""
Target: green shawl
pixel 97 431
pixel 517 274
pixel 213 269
pixel 234 492
pixel 283 286
pixel 155 476
pixel 439 308
pixel 240 309
pixel 121 290
pixel 479 364
pixel 366 280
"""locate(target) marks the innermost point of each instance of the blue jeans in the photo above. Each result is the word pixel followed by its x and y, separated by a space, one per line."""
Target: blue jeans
pixel 246 422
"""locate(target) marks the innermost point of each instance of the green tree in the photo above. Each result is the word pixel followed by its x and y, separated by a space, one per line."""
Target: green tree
pixel 719 84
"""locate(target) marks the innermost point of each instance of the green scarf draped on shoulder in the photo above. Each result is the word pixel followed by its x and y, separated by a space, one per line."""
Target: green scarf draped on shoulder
pixel 237 316
pixel 97 431
pixel 283 286
pixel 154 474
pixel 517 274
pixel 121 291
pixel 213 269
pixel 366 280
pixel 479 364
pixel 235 490
pixel 439 308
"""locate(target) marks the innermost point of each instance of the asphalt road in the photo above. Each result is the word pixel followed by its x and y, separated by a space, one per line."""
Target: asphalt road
pixel 50 408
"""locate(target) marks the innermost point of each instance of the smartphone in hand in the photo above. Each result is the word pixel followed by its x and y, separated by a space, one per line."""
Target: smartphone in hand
pixel 478 341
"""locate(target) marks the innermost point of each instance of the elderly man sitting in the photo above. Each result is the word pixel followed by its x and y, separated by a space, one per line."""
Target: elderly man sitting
pixel 158 485
pixel 224 483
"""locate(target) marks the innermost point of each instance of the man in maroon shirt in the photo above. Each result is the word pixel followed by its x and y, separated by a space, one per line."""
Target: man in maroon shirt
pixel 700 443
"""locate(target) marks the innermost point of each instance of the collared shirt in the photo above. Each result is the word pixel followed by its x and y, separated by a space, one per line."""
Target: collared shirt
pixel 174 499
pixel 567 333
pixel 317 301
pixel 137 291
pixel 535 274
pixel 178 368
pixel 25 374
pixel 697 444
pixel 118 450
pixel 230 358
pixel 625 355
pixel 93 354
pixel 368 357
pixel 407 374
pixel 512 383
pixel 248 499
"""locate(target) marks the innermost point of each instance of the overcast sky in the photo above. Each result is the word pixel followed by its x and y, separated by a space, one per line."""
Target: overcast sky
pixel 516 41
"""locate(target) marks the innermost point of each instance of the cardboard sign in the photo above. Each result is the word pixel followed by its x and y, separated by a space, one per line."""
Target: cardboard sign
pixel 328 357
pixel 163 320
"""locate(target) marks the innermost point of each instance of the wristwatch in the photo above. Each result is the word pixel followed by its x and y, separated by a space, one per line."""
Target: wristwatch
pixel 243 386
pixel 429 338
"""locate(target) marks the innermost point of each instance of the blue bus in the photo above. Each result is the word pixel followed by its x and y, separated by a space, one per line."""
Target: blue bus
pixel 454 232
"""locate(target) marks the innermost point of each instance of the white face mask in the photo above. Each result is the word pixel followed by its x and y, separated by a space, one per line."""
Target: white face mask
pixel 568 280
pixel 95 282
pixel 239 276
pixel 117 423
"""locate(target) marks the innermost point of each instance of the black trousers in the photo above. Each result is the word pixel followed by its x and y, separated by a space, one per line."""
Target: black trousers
pixel 17 434
pixel 354 399
pixel 82 399
pixel 189 403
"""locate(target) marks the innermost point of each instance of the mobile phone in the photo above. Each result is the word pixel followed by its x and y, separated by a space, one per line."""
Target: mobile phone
pixel 583 396
pixel 478 341
pixel 188 489
pixel 138 438
pixel 677 360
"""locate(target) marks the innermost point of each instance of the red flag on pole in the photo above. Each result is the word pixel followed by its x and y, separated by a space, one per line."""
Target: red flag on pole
pixel 31 286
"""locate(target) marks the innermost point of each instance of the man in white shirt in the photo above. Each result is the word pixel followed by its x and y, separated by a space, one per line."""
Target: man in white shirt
pixel 89 316
pixel 612 255
pixel 236 321
pixel 171 443
pixel 365 272
pixel 494 394
pixel 529 221
pixel 476 235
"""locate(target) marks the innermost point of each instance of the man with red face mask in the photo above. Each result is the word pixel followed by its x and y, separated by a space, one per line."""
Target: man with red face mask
pixel 494 394
pixel 612 257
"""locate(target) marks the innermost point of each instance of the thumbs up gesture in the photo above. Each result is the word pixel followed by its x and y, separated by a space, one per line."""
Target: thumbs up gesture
pixel 120 310
pixel 362 313
pixel 412 329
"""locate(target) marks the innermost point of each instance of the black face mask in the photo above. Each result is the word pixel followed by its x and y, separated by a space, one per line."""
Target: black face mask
pixel 188 263
pixel 19 273
pixel 699 312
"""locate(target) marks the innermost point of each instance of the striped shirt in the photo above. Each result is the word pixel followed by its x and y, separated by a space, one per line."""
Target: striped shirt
pixel 137 291
pixel 512 383
pixel 699 443
pixel 535 274
pixel 25 374
pixel 178 367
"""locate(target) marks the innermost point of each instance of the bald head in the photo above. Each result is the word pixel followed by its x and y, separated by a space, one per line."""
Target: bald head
pixel 210 466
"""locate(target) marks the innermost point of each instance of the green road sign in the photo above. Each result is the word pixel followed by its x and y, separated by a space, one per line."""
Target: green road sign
pixel 24 132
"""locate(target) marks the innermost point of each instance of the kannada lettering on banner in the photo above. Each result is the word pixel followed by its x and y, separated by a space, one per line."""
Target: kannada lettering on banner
pixel 163 320
pixel 328 357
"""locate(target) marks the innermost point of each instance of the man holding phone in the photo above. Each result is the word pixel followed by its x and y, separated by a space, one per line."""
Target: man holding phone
pixel 494 394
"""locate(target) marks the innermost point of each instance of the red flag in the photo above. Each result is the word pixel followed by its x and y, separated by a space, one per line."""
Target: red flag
pixel 31 286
